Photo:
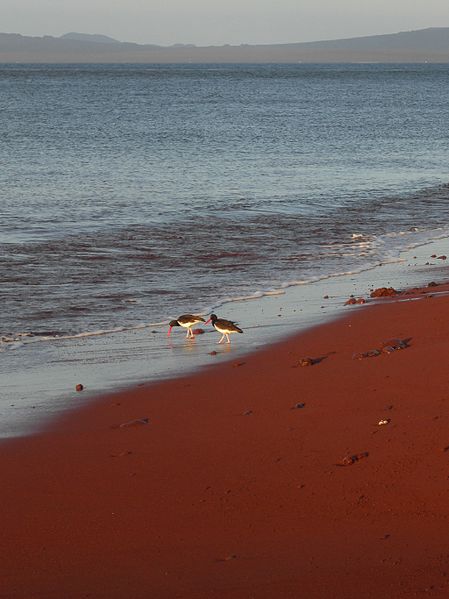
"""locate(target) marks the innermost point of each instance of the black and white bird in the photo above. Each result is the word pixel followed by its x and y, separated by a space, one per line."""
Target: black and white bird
pixel 186 321
pixel 225 327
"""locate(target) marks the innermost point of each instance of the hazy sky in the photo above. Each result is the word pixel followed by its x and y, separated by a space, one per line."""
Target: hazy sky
pixel 206 22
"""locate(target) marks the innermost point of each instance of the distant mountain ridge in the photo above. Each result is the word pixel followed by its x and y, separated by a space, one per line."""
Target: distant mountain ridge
pixel 89 37
pixel 422 45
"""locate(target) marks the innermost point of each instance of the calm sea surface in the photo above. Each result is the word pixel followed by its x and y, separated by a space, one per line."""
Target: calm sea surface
pixel 131 194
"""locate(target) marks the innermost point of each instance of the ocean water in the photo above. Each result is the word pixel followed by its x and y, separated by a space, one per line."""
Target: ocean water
pixel 130 194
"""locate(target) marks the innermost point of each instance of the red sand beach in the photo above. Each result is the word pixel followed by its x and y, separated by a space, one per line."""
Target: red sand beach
pixel 229 491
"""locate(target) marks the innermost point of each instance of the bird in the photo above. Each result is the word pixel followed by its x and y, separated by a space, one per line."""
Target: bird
pixel 186 321
pixel 225 327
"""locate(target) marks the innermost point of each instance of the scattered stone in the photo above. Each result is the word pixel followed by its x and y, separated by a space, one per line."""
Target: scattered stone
pixel 213 353
pixel 395 344
pixel 306 362
pixel 384 422
pixel 388 349
pixel 442 257
pixel 433 256
pixel 325 297
pixel 198 331
pixel 352 300
pixel 228 558
pixel 445 449
pixel 121 454
pixel 247 413
pixel 384 292
pixel 432 284
pixel 79 387
pixel 352 459
pixel 238 364
pixel 132 423
pixel 372 353
pixel 298 406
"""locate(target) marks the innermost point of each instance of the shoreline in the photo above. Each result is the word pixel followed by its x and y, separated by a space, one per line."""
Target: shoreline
pixel 121 361
pixel 255 477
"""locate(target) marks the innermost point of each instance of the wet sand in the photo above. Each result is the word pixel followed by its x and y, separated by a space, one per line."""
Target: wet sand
pixel 257 478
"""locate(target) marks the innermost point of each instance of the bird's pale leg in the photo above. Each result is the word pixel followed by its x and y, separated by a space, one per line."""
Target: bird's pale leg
pixel 228 340
pixel 222 337
pixel 188 333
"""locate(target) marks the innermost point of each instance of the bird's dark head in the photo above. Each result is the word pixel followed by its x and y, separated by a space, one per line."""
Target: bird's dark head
pixel 213 318
pixel 171 324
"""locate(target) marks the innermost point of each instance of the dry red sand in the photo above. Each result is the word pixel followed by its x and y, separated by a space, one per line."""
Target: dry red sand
pixel 228 492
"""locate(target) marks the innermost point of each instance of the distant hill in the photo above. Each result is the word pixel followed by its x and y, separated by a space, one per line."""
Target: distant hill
pixel 423 45
pixel 433 39
pixel 89 37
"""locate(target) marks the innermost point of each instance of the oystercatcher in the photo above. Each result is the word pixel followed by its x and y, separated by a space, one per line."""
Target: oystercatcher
pixel 225 327
pixel 186 321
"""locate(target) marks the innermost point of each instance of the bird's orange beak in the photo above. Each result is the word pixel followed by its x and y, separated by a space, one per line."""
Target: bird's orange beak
pixel 207 322
pixel 169 331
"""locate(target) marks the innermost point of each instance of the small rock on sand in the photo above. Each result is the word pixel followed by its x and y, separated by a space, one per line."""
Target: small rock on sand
pixel 371 353
pixel 352 300
pixel 228 558
pixel 132 423
pixel 396 344
pixel 442 257
pixel 388 349
pixel 121 454
pixel 298 406
pixel 79 387
pixel 306 362
pixel 384 292
pixel 352 459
